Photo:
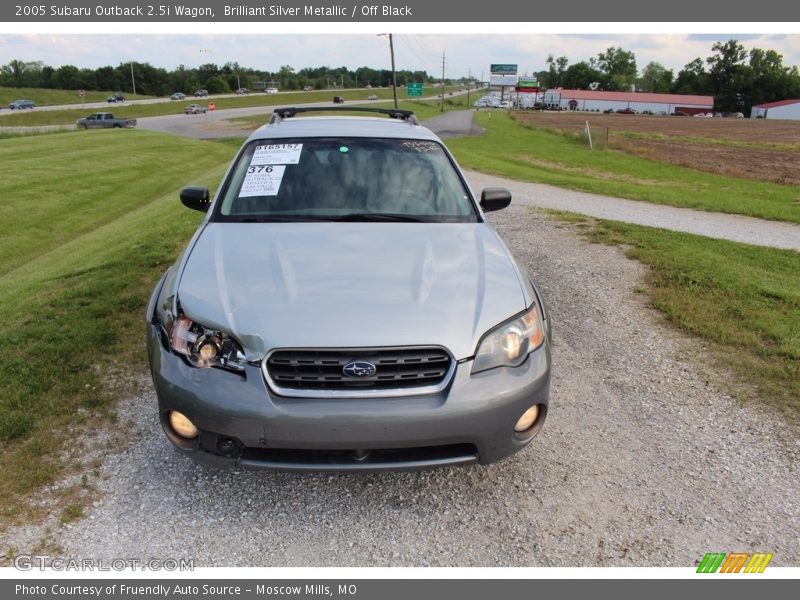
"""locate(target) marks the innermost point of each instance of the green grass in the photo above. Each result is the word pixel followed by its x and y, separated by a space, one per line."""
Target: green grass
pixel 15 118
pixel 744 300
pixel 512 150
pixel 91 234
pixel 44 97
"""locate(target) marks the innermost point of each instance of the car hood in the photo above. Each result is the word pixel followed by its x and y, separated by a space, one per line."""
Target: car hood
pixel 290 285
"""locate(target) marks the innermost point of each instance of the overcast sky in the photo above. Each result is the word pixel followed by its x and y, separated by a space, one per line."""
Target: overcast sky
pixel 419 51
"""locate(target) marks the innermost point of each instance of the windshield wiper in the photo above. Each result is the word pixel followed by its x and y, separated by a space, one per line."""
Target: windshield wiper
pixel 366 217
pixel 284 219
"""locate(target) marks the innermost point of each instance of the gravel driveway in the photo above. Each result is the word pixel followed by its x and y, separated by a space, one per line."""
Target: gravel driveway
pixel 644 460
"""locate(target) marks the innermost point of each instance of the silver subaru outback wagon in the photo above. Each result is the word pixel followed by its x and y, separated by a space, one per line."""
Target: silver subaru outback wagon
pixel 345 306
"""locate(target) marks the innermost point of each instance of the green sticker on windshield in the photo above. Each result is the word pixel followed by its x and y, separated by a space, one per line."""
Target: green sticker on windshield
pixel 344 149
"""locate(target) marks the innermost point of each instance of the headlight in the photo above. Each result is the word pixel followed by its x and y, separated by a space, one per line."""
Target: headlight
pixel 205 347
pixel 510 343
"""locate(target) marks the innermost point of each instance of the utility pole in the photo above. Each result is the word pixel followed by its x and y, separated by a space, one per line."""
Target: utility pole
pixel 469 84
pixel 133 80
pixel 394 75
pixel 443 62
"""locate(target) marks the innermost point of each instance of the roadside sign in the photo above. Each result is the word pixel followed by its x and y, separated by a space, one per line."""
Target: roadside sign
pixel 414 89
pixel 211 106
pixel 81 93
pixel 527 83
pixel 503 69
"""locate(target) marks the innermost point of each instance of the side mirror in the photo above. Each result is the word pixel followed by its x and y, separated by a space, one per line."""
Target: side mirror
pixel 196 198
pixel 495 199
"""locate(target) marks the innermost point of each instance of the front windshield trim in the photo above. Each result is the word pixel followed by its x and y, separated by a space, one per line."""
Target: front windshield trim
pixel 475 215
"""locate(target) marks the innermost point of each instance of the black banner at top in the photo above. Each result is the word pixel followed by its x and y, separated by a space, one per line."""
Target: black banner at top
pixel 412 11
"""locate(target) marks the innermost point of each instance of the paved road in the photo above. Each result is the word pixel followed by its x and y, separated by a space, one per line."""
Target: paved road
pixel 217 124
pixel 710 224
pixel 646 459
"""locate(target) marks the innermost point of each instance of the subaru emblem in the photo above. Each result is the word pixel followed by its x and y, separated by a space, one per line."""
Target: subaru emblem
pixel 359 368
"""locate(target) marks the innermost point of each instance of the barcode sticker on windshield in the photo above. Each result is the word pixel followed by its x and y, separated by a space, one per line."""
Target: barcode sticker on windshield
pixel 262 180
pixel 277 154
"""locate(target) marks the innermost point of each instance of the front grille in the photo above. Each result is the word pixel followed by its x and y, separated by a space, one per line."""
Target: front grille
pixel 323 370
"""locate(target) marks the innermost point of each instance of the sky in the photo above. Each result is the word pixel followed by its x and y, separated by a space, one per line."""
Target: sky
pixel 464 53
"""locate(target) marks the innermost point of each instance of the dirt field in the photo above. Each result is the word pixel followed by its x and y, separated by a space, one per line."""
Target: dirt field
pixel 755 149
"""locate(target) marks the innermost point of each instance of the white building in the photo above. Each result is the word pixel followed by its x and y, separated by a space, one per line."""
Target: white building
pixel 783 109
pixel 656 103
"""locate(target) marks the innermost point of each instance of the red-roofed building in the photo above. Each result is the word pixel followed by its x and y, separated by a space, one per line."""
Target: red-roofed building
pixel 782 109
pixel 638 101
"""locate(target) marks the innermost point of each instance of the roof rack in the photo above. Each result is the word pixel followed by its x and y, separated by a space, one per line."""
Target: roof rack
pixel 395 113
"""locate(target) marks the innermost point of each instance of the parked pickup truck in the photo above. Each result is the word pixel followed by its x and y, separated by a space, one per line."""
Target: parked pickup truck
pixel 104 120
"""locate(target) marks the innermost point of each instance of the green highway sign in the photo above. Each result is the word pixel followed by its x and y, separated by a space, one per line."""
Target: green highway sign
pixel 503 69
pixel 414 89
pixel 527 83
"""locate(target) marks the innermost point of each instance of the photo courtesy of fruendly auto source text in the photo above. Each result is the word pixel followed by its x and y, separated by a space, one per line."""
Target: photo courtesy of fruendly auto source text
pixel 401 299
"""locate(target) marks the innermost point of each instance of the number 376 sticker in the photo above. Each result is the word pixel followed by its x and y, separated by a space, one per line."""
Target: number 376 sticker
pixel 262 180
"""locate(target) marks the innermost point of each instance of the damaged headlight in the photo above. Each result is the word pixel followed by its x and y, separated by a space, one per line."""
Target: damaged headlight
pixel 510 343
pixel 204 347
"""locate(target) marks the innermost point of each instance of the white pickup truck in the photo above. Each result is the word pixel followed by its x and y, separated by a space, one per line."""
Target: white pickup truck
pixel 104 120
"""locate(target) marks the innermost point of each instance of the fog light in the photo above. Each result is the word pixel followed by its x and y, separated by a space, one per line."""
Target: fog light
pixel 182 425
pixel 527 419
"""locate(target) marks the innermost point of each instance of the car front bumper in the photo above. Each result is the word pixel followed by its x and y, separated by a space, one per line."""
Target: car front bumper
pixel 243 424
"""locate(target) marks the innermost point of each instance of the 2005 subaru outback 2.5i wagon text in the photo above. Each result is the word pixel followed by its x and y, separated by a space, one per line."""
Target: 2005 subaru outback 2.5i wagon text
pixel 345 306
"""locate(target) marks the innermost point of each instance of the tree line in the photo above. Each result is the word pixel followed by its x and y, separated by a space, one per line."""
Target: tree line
pixel 737 78
pixel 156 81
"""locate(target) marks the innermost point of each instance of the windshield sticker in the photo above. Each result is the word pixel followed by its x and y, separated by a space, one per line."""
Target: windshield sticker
pixel 262 180
pixel 420 146
pixel 277 154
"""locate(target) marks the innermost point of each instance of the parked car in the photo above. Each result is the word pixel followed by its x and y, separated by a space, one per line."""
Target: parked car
pixel 626 111
pixel 308 88
pixel 194 109
pixel 608 111
pixel 178 96
pixel 22 104
pixel 242 91
pixel 338 100
pixel 271 90
pixel 104 120
pixel 114 98
pixel 372 97
pixel 201 93
pixel 377 323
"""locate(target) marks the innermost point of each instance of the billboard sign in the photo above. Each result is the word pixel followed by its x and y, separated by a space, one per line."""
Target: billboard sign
pixel 503 69
pixel 504 80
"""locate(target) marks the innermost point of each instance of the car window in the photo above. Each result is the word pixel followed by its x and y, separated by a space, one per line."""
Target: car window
pixel 327 178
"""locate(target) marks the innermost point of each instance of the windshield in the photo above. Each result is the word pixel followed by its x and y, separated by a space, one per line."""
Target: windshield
pixel 345 179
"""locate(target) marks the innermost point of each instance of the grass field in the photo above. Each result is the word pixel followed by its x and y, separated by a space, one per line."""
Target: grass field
pixel 87 232
pixel 513 150
pixel 30 118
pixel 763 149
pixel 44 97
pixel 744 300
